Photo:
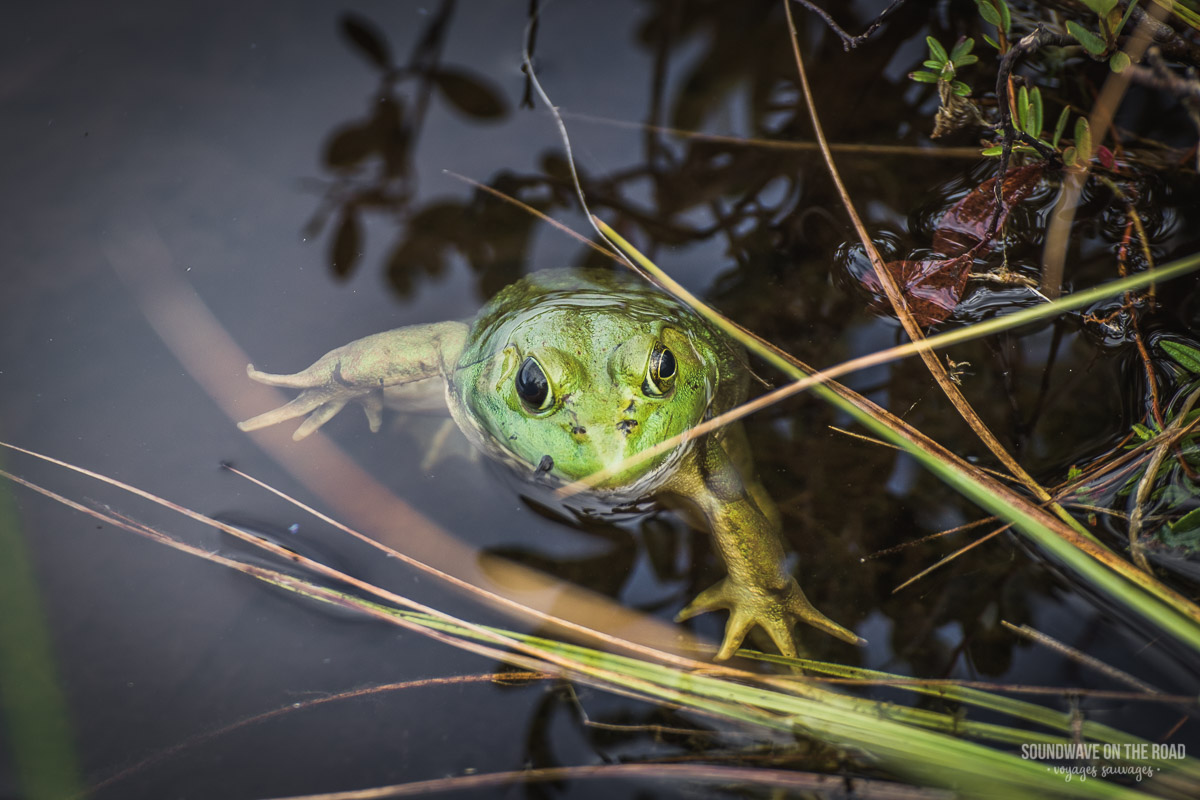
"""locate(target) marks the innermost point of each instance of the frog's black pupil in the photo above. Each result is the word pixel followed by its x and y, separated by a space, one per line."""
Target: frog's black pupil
pixel 666 365
pixel 532 384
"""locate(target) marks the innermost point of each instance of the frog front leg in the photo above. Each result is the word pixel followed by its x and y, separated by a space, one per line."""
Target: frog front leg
pixel 360 371
pixel 745 529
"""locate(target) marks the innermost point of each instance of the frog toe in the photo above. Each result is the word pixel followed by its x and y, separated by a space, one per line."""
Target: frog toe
pixel 298 407
pixel 714 598
pixel 317 418
pixel 296 380
pixel 804 611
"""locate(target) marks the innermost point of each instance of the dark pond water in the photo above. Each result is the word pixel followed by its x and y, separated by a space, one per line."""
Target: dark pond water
pixel 174 169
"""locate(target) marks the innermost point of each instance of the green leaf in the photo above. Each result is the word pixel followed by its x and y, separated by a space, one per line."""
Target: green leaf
pixel 961 49
pixel 1023 109
pixel 923 77
pixel 989 14
pixel 929 62
pixel 1035 99
pixel 1186 356
pixel 961 89
pixel 1121 25
pixel 1073 473
pixel 1119 61
pixel 965 61
pixel 1061 125
pixel 1090 41
pixel 994 150
pixel 1101 7
pixel 1142 432
pixel 1070 156
pixel 1005 16
pixel 936 51
pixel 1188 523
pixel 1083 139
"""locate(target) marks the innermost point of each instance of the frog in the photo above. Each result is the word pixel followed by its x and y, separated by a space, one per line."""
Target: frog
pixel 566 372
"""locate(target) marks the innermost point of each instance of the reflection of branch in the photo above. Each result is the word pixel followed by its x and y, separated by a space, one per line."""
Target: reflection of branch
pixel 850 42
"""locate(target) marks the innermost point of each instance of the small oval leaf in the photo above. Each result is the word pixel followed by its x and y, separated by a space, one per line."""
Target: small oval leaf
pixel 347 244
pixel 1090 41
pixel 367 40
pixel 469 94
pixel 349 146
pixel 1119 61
pixel 1186 356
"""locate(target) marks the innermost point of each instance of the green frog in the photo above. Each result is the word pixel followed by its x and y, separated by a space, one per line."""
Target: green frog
pixel 566 372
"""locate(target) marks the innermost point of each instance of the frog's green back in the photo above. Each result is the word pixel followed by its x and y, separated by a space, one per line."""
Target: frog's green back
pixel 624 367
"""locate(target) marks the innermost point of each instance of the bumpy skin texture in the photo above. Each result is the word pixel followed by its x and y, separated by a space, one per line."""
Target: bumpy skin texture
pixel 566 372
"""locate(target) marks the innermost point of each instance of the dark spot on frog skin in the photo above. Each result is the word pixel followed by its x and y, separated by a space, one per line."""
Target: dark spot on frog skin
pixel 626 426
pixel 545 465
pixel 630 408
pixel 337 375
pixel 579 430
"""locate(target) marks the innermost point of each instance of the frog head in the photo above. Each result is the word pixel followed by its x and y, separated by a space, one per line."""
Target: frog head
pixel 579 381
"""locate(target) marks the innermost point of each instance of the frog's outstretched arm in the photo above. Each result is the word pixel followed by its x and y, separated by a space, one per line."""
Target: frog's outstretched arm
pixel 745 529
pixel 359 372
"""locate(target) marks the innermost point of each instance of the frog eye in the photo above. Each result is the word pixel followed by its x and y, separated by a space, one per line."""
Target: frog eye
pixel 660 372
pixel 533 387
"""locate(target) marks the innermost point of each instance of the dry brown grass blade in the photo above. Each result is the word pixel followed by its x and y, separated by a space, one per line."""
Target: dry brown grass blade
pixel 932 362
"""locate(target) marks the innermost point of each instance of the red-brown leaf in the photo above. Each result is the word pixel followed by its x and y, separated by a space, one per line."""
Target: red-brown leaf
pixel 966 224
pixel 932 288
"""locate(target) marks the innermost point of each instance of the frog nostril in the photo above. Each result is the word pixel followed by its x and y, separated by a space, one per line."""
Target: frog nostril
pixel 626 426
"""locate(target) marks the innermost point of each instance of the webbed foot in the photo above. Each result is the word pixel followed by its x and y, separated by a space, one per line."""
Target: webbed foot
pixel 775 611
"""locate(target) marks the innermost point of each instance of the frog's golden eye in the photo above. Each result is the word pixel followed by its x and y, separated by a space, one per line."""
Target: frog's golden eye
pixel 533 387
pixel 660 372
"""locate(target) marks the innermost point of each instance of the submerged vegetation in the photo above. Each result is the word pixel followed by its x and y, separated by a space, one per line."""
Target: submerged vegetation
pixel 1064 237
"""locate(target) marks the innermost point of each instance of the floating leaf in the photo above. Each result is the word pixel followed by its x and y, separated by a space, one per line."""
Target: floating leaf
pixel 1090 41
pixel 932 288
pixel 469 94
pixel 367 40
pixel 966 224
pixel 1186 356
